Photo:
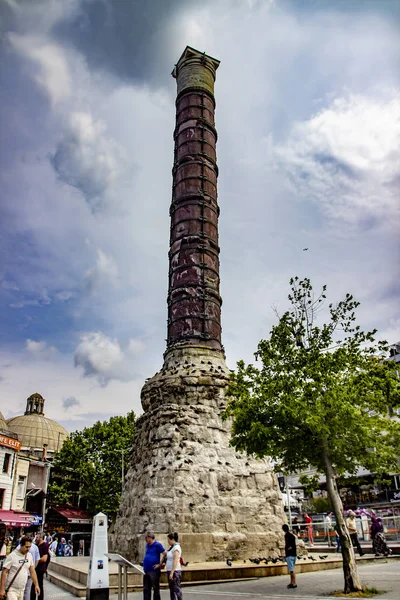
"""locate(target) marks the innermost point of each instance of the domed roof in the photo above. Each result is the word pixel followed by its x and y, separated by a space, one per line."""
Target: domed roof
pixel 3 424
pixel 35 430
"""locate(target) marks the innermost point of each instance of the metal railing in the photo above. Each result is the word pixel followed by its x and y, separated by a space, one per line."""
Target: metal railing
pixel 322 534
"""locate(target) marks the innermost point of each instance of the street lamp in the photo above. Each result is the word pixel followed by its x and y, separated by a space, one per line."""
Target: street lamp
pixel 47 479
pixel 122 467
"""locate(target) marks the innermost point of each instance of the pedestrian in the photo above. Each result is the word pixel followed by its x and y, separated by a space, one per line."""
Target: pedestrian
pixel 153 559
pixel 3 551
pixel 174 569
pixel 296 526
pixel 328 526
pixel 53 547
pixel 309 528
pixel 379 545
pixel 61 547
pixel 338 542
pixel 68 550
pixel 290 554
pixel 16 568
pixel 9 543
pixel 41 567
pixel 352 528
pixel 34 552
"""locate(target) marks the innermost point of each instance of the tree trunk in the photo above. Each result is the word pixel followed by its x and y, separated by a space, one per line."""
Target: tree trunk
pixel 352 581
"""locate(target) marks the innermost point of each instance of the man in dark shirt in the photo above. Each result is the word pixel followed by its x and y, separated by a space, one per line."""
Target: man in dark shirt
pixel 290 553
pixel 41 567
pixel 152 561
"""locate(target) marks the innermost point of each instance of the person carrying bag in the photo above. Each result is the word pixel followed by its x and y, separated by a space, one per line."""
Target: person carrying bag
pixel 174 569
pixel 16 568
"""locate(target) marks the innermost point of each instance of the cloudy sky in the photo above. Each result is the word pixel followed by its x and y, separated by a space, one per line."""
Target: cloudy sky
pixel 308 115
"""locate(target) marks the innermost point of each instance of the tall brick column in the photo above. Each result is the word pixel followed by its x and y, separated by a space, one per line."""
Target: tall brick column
pixel 194 302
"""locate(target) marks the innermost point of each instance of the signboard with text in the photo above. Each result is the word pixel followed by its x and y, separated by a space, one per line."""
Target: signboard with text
pixel 10 442
pixel 393 495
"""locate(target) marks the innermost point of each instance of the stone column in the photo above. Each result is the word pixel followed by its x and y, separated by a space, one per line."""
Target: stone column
pixel 194 303
pixel 183 474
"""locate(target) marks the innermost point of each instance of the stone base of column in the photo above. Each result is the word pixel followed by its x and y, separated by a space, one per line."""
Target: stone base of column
pixel 185 477
pixel 216 546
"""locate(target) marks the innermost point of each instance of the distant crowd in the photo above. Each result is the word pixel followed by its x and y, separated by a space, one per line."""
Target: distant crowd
pixel 58 545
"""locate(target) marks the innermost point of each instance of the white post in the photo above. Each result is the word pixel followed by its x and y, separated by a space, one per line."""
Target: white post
pixel 44 501
pixel 98 584
pixel 288 499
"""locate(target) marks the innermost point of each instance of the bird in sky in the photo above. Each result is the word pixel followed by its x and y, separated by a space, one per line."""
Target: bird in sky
pixel 304 249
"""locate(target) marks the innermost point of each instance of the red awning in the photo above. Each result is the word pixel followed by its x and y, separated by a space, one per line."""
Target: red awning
pixel 74 515
pixel 16 519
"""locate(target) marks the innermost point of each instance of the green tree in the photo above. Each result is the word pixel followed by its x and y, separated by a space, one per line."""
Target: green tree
pixel 317 505
pixel 322 397
pixel 89 465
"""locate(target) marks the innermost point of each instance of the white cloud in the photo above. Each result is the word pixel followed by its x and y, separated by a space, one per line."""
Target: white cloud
pixel 64 295
pixel 347 158
pixel 9 285
pixel 392 333
pixel 104 272
pixel 87 159
pixel 51 73
pixel 43 300
pixel 135 347
pixel 58 382
pixel 39 350
pixel 35 347
pixel 102 357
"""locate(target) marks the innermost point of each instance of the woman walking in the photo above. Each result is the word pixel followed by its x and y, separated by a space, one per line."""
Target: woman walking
pixel 174 570
pixel 379 545
pixel 309 528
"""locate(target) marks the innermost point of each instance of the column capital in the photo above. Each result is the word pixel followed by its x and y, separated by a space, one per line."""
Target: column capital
pixel 195 70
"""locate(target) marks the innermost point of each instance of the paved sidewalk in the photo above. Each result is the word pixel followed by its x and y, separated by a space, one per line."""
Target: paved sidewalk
pixel 316 586
pixel 53 592
pixel 384 575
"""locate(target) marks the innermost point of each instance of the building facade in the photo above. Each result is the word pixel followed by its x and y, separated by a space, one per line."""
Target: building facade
pixel 27 446
pixel 9 448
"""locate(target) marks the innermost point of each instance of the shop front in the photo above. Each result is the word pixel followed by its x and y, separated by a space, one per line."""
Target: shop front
pixel 68 519
pixel 13 524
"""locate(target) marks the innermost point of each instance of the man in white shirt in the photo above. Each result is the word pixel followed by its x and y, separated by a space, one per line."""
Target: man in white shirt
pixel 328 527
pixel 34 552
pixel 16 568
pixel 53 547
pixel 352 527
